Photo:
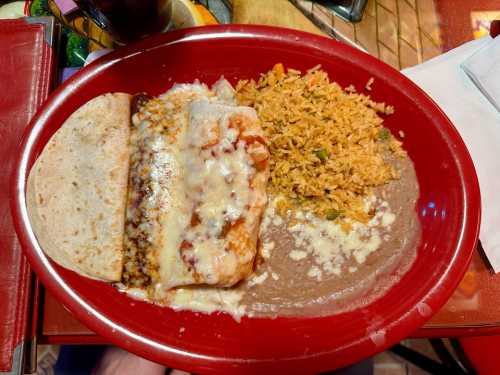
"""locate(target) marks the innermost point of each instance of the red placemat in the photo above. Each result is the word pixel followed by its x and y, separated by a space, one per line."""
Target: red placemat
pixel 26 66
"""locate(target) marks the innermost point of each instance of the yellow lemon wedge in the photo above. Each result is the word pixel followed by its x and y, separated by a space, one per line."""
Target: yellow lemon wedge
pixel 185 14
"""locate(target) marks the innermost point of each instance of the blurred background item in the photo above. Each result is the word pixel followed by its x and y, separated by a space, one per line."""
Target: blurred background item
pixel 12 10
pixel 131 19
pixel 349 10
pixel 86 29
pixel 276 13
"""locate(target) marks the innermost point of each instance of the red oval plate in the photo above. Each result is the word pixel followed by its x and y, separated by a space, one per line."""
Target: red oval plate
pixel 449 209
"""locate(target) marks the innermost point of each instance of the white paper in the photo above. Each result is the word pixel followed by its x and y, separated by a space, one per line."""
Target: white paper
pixel 483 68
pixel 477 121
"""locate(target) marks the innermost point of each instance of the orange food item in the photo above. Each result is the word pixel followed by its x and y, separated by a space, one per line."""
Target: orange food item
pixel 208 17
pixel 469 284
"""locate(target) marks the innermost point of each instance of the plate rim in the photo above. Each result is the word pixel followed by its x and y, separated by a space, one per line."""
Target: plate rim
pixel 154 350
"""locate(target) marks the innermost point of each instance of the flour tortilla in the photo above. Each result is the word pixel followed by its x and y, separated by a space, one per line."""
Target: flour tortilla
pixel 77 189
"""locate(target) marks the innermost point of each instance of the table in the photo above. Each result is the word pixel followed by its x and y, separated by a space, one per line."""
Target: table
pixel 402 33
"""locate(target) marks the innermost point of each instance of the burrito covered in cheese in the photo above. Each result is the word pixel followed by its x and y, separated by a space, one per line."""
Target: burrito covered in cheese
pixel 199 166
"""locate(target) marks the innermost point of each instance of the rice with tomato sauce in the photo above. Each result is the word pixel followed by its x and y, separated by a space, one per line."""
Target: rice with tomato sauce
pixel 328 145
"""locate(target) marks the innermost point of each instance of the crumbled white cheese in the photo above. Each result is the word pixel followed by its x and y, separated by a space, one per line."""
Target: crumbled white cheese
pixel 277 221
pixel 315 273
pixel 369 201
pixel 362 253
pixel 332 268
pixel 255 280
pixel 266 249
pixel 297 254
pixel 299 215
pixel 327 242
pixel 266 220
pixel 387 219
pixel 275 276
pixel 330 246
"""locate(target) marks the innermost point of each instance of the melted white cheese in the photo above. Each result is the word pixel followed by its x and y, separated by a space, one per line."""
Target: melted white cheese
pixel 202 175
pixel 200 170
pixel 175 214
pixel 207 300
pixel 218 171
pixel 224 91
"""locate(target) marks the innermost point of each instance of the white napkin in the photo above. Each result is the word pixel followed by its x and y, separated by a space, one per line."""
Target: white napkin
pixel 468 106
pixel 483 67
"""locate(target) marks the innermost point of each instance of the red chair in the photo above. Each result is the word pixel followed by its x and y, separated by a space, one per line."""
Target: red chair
pixel 482 353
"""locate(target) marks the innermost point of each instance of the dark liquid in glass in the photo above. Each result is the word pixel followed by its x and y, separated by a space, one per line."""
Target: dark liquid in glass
pixel 128 19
